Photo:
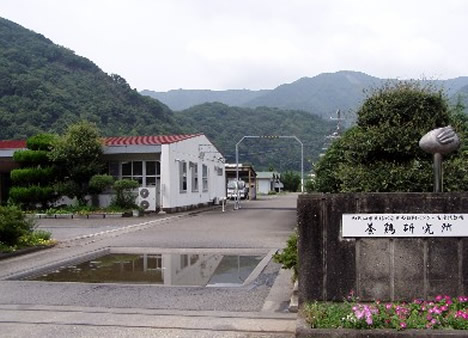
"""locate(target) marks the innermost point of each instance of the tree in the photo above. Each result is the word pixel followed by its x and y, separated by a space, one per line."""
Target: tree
pixel 78 152
pixel 33 182
pixel 291 181
pixel 381 153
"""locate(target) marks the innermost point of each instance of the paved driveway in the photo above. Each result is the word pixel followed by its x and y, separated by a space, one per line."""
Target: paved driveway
pixel 79 309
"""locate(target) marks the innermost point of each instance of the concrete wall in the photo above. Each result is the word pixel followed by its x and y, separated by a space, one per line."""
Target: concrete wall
pixel 378 268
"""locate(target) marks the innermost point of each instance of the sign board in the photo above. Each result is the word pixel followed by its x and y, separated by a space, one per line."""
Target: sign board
pixel 404 225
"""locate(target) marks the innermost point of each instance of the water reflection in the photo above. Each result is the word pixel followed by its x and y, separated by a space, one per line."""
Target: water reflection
pixel 164 269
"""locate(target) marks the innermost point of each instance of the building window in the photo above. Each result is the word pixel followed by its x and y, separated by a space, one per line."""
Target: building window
pixel 146 173
pixel 205 177
pixel 194 172
pixel 183 176
pixel 114 169
pixel 152 172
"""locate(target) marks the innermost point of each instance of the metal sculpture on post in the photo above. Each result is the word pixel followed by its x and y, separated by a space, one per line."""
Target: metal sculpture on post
pixel 440 141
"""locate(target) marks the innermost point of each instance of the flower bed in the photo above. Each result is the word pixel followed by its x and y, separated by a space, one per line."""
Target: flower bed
pixel 443 313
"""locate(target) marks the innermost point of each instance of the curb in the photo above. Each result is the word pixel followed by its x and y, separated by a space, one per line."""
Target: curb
pixel 294 301
pixel 25 251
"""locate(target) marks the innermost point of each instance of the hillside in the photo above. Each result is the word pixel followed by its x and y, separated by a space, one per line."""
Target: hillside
pixel 45 87
pixel 225 126
pixel 182 99
pixel 322 94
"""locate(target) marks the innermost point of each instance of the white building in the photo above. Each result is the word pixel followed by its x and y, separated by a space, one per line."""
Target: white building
pixel 178 171
pixel 175 172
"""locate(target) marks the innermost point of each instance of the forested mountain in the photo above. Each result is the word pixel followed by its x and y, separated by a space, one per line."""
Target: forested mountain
pixel 461 97
pixel 322 94
pixel 45 87
pixel 182 99
pixel 225 126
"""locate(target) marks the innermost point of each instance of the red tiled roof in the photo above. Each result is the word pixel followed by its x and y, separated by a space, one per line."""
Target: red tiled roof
pixel 145 140
pixel 12 144
pixel 115 141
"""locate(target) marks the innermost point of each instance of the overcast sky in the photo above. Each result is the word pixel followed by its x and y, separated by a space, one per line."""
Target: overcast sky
pixel 221 44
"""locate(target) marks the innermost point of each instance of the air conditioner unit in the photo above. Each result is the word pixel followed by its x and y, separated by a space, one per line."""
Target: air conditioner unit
pixel 147 198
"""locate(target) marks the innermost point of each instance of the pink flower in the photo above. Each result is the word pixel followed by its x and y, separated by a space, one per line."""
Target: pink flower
pixel 388 306
pixel 429 318
pixel 439 298
pixel 437 310
pixel 403 325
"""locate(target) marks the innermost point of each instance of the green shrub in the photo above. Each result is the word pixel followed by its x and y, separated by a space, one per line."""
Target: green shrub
pixel 31 157
pixel 99 183
pixel 41 141
pixel 309 185
pixel 30 196
pixel 291 181
pixel 38 237
pixel 381 153
pixel 13 225
pixel 125 195
pixel 28 176
pixel 288 257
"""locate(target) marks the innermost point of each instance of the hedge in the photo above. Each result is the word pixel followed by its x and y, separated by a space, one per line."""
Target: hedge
pixel 31 195
pixel 31 157
pixel 41 141
pixel 28 176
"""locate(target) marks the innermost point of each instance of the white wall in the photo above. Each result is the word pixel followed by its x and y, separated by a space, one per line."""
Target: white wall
pixel 189 151
pixel 263 185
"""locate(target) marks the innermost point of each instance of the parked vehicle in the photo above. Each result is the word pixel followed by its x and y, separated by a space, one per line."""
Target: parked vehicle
pixel 240 187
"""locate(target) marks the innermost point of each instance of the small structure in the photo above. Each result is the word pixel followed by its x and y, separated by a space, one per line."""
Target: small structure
pixel 246 173
pixel 7 164
pixel 175 172
pixel 269 181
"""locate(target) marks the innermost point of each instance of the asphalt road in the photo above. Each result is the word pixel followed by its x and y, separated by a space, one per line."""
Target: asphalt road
pixel 80 309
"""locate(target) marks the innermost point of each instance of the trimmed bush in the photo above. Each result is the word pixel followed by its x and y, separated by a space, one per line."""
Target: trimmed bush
pixel 31 157
pixel 99 183
pixel 41 141
pixel 28 176
pixel 125 196
pixel 381 153
pixel 13 225
pixel 29 196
